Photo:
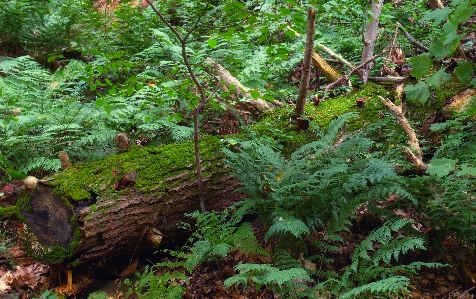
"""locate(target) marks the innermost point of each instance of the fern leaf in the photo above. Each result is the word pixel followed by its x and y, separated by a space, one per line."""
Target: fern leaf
pixel 287 225
pixel 389 286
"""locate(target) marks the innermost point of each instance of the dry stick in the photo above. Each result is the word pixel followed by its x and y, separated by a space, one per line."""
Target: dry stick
pixel 334 55
pixel 229 80
pixel 411 39
pixel 391 79
pixel 203 98
pixel 413 152
pixel 305 76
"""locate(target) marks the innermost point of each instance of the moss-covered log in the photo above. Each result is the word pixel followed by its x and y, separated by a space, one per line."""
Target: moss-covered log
pixel 84 213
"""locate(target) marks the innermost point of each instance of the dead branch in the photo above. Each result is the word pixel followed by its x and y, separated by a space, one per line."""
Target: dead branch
pixel 411 39
pixel 254 106
pixel 341 80
pixel 335 55
pixel 413 152
pixel 328 71
pixel 392 79
pixel 370 38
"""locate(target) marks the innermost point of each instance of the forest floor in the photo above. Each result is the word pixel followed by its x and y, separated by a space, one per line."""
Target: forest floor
pixel 20 277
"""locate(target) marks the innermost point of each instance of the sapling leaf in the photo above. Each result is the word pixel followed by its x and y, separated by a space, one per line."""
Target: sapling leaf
pixel 441 167
pixel 437 79
pixel 463 11
pixel 418 91
pixel 464 71
pixel 212 43
pixel 466 169
pixel 420 65
pixel 438 15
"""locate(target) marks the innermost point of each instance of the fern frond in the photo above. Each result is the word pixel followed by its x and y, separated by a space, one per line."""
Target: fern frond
pixel 287 225
pixel 393 285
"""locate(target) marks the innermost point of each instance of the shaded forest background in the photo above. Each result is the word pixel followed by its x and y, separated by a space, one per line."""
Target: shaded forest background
pixel 369 192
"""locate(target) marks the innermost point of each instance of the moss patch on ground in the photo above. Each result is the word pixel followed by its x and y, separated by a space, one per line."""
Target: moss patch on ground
pixel 279 125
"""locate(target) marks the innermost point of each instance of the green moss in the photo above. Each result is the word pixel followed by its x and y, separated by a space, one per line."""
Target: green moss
pixel 7 212
pixel 278 124
pixel 55 254
pixel 152 165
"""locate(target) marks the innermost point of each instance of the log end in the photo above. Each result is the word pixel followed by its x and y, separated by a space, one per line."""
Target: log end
pixel 50 233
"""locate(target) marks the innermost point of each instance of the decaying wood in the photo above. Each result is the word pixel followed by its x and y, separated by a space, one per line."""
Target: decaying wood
pixel 434 4
pixel 413 152
pixel 114 221
pixel 64 158
pixel 253 106
pixel 306 68
pixel 328 71
pixel 370 38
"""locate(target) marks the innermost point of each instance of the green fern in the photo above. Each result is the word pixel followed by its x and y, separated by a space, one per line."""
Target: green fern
pixel 371 271
pixel 148 285
pixel 216 234
pixel 319 183
pixel 289 282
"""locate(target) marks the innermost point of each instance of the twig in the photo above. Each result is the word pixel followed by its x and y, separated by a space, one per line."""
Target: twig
pixel 466 292
pixel 411 39
pixel 392 79
pixel 346 77
pixel 2 262
pixel 334 55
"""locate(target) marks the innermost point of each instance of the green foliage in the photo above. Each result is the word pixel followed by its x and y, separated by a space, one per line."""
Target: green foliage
pixel 288 282
pixel 322 181
pixel 371 272
pixel 450 205
pixel 445 45
pixel 216 234
pixel 150 286
pixel 41 129
pixel 38 26
pixel 49 295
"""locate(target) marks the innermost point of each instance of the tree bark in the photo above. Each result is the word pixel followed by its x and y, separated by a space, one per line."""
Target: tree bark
pixel 85 214
pixel 370 38
pixel 305 77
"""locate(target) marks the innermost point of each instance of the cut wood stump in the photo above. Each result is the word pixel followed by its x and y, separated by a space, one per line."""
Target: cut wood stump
pixel 80 214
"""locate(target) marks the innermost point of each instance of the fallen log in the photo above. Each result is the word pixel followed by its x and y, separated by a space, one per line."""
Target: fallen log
pixel 129 202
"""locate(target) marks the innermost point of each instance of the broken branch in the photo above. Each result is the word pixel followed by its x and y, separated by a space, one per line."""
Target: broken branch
pixel 413 152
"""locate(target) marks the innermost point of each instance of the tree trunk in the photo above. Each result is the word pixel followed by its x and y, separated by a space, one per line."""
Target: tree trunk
pixel 370 38
pixel 98 210
pixel 306 66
